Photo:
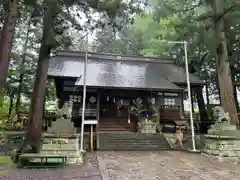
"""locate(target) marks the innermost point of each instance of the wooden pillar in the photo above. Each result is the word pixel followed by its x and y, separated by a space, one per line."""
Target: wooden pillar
pixel 91 138
pixel 192 98
pixel 182 104
pixel 98 117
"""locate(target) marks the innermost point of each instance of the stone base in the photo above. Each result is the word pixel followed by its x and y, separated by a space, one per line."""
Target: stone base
pixel 220 158
pixel 194 151
pixel 66 144
pixel 75 160
pixel 222 129
pixel 224 145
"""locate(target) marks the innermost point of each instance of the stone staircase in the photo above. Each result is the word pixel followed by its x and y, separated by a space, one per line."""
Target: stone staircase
pixel 132 141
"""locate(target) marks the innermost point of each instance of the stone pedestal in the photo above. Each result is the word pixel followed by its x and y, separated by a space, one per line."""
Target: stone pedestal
pixel 61 137
pixel 223 141
pixel 64 144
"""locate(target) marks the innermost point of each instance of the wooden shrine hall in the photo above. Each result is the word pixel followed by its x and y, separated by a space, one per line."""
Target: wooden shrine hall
pixel 113 82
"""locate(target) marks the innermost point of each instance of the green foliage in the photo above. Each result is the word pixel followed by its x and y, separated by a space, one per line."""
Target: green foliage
pixel 144 112
pixel 4 110
pixel 170 20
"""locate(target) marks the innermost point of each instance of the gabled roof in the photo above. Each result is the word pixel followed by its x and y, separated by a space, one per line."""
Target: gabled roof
pixel 114 70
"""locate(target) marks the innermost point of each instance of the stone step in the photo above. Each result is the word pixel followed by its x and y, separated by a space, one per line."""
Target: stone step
pixel 56 140
pixel 62 127
pixel 128 134
pixel 110 148
pixel 132 145
pixel 66 125
pixel 131 138
pixel 67 153
pixel 59 147
pixel 132 141
pixel 116 129
pixel 74 160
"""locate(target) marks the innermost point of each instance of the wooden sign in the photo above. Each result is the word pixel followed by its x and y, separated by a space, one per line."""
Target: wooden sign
pixel 70 88
pixel 171 94
pixel 90 122
pixel 67 83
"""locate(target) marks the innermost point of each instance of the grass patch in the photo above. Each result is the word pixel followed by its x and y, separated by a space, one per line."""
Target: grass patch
pixel 5 160
pixel 5 164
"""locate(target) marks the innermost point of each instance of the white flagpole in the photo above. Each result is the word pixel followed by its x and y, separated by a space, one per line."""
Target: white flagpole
pixel 189 90
pixel 189 97
pixel 84 94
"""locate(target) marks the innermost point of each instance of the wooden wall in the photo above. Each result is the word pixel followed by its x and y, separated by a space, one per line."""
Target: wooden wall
pixel 170 104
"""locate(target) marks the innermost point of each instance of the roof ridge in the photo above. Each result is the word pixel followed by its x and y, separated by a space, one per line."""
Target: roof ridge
pixel 116 57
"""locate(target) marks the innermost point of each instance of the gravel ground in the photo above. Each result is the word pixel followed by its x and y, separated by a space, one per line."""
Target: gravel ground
pixel 88 171
pixel 162 165
pixel 171 165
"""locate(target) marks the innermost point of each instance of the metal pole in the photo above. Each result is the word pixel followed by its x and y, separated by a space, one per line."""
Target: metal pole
pixel 189 97
pixel 84 94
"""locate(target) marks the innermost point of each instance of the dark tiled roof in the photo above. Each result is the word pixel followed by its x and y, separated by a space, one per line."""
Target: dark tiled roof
pixel 177 74
pixel 125 73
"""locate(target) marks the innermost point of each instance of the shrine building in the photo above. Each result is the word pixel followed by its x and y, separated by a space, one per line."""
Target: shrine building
pixel 113 82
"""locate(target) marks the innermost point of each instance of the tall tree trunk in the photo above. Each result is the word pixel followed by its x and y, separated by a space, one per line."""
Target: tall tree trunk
pixel 222 61
pixel 6 42
pixel 22 72
pixel 236 97
pixel 202 110
pixel 218 89
pixel 10 107
pixel 35 121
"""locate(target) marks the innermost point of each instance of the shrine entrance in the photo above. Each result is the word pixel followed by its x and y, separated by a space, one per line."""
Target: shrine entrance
pixel 115 113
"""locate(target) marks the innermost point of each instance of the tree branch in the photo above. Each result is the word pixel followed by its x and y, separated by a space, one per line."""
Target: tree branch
pixel 218 18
